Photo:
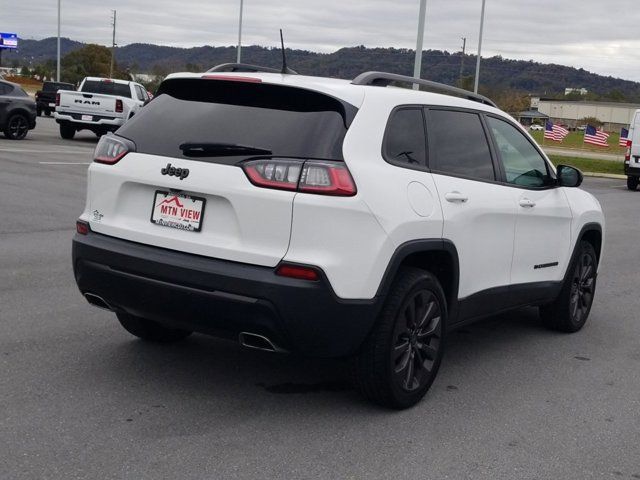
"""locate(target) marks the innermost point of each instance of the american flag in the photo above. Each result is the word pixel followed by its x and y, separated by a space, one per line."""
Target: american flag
pixel 555 132
pixel 624 136
pixel 595 137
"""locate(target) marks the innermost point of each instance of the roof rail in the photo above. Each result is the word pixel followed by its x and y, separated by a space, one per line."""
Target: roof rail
pixel 383 79
pixel 245 67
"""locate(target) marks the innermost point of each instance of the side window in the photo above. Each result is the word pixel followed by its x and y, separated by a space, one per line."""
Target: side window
pixel 139 93
pixel 5 89
pixel 405 141
pixel 523 164
pixel 460 144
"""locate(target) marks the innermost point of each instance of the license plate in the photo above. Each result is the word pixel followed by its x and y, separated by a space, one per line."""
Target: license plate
pixel 177 210
pixel 87 118
pixel 52 104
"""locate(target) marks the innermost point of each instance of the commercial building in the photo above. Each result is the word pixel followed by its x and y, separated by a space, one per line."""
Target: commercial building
pixel 612 114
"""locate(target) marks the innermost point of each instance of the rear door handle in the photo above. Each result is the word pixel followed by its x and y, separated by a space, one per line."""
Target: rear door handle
pixel 455 197
pixel 526 203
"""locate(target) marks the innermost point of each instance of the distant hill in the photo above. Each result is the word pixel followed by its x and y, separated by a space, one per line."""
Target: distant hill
pixel 440 66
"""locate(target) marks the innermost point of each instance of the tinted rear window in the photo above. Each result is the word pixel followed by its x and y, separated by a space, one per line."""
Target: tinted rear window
pixel 289 122
pixel 107 88
pixel 54 87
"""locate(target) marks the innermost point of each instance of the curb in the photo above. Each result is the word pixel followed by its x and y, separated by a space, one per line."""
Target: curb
pixel 605 175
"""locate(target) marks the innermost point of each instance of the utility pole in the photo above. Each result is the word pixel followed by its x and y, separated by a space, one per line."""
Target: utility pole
pixel 239 50
pixel 464 48
pixel 113 45
pixel 417 65
pixel 58 57
pixel 475 87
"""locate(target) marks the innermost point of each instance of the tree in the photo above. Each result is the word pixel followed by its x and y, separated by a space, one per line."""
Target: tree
pixel 593 121
pixel 24 72
pixel 90 61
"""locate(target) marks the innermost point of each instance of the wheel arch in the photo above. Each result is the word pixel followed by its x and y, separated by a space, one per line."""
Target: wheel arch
pixel 592 233
pixel 439 257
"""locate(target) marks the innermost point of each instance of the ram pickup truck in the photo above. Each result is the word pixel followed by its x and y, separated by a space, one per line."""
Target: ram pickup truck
pixel 46 98
pixel 101 105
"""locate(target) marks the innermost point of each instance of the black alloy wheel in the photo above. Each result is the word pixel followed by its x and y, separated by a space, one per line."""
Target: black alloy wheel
pixel 417 338
pixel 17 127
pixel 569 312
pixel 399 360
pixel 582 287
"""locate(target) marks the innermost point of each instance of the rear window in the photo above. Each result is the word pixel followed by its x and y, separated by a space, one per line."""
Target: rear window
pixel 107 88
pixel 288 122
pixel 54 87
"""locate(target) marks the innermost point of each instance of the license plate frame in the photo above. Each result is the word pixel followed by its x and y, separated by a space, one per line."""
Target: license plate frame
pixel 169 218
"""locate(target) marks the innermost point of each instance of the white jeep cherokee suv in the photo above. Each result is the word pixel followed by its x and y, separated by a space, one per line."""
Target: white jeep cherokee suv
pixel 332 218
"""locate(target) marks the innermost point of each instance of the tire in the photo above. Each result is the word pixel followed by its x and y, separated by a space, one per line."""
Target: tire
pixel 569 312
pixel 394 368
pixel 39 112
pixel 150 330
pixel 632 182
pixel 47 112
pixel 67 131
pixel 17 127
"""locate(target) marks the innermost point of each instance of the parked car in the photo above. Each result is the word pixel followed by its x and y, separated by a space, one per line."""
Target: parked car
pixel 46 98
pixel 306 215
pixel 536 127
pixel 632 155
pixel 17 111
pixel 581 128
pixel 101 105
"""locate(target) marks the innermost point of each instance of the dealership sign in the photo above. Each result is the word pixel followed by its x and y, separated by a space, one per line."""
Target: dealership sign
pixel 9 40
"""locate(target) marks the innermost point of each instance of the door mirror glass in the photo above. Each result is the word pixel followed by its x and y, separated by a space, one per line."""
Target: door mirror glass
pixel 569 176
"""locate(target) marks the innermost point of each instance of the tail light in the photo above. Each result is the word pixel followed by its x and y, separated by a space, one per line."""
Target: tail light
pixel 310 176
pixel 82 227
pixel 119 106
pixel 300 272
pixel 627 154
pixel 111 149
pixel 57 99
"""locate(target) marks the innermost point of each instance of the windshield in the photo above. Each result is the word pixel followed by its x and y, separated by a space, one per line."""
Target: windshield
pixel 246 119
pixel 106 88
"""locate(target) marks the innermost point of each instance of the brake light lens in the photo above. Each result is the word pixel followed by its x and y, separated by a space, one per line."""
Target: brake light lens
pixel 57 99
pixel 82 227
pixel 299 272
pixel 627 154
pixel 119 106
pixel 111 149
pixel 232 78
pixel 310 176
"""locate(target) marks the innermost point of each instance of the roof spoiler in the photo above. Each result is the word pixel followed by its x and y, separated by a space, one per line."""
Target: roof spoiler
pixel 245 67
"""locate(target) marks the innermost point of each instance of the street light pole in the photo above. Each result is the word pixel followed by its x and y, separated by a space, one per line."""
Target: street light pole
pixel 475 87
pixel 239 50
pixel 417 65
pixel 58 57
pixel 113 45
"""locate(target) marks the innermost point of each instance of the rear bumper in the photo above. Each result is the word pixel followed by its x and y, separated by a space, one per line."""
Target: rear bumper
pixel 100 121
pixel 219 297
pixel 631 171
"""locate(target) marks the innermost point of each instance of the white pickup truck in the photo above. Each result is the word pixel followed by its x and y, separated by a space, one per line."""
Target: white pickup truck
pixel 101 105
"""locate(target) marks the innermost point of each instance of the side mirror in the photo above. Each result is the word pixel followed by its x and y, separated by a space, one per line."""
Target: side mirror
pixel 569 176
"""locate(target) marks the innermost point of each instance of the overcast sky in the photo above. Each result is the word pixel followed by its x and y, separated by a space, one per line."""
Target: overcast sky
pixel 598 35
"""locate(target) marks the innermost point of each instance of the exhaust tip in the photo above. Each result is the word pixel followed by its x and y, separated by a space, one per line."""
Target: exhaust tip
pixel 258 342
pixel 97 301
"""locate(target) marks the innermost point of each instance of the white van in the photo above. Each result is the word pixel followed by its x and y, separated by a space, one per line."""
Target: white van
pixel 632 157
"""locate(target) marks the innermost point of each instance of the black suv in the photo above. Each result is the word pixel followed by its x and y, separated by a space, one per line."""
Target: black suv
pixel 46 98
pixel 17 111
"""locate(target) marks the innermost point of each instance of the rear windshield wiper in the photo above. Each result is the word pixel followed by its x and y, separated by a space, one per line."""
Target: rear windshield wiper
pixel 211 149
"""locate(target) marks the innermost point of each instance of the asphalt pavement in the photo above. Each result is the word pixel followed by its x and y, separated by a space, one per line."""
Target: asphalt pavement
pixel 82 399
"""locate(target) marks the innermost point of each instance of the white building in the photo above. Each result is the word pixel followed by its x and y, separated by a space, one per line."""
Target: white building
pixel 614 115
